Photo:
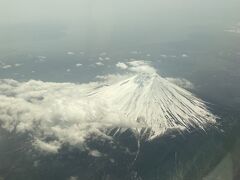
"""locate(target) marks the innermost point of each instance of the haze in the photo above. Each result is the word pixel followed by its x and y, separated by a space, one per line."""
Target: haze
pixel 111 23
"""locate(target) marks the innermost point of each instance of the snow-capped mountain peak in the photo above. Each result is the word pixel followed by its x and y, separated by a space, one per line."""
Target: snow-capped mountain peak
pixel 153 102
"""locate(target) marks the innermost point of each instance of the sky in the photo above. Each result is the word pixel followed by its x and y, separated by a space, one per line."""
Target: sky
pixel 111 22
pixel 73 10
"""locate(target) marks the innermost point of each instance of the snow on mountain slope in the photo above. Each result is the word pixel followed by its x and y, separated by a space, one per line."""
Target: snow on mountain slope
pixel 154 102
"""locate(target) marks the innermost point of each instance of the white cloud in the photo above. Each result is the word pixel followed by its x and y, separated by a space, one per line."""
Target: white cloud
pixel 99 64
pixel 141 66
pixel 184 55
pixel 137 66
pixel 121 65
pixel 135 62
pixel 95 153
pixel 61 110
pixel 73 178
pixel 79 64
pixel 6 66
pixel 184 83
pixel 50 147
pixel 17 65
pixel 234 29
pixel 41 59
pixel 100 59
pixel 70 53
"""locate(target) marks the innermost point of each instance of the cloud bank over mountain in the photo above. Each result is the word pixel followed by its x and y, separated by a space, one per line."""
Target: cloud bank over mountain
pixel 70 113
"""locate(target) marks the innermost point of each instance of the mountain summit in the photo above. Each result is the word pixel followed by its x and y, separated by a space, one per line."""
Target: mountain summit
pixel 153 102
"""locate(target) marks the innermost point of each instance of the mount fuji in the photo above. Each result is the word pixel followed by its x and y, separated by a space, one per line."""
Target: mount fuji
pixel 151 102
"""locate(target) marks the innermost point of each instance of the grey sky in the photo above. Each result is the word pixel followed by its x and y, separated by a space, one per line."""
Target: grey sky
pixel 103 21
pixel 74 10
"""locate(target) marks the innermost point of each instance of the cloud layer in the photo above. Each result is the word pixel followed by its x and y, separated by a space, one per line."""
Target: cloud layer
pixel 60 110
pixel 58 113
